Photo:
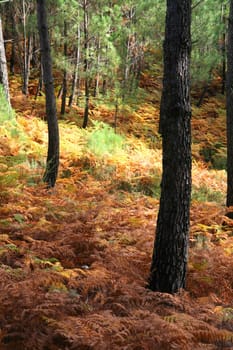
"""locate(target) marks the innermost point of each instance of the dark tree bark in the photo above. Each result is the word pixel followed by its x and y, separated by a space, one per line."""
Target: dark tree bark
pixel 51 171
pixel 168 268
pixel 229 107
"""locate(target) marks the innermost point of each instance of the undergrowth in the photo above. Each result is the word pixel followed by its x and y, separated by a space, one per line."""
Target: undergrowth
pixel 6 112
pixel 74 261
pixel 205 194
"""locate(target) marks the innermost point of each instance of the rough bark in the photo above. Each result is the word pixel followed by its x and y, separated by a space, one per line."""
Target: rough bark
pixel 168 268
pixel 229 108
pixel 51 171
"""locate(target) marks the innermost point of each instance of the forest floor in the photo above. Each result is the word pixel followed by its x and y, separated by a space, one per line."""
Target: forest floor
pixel 74 260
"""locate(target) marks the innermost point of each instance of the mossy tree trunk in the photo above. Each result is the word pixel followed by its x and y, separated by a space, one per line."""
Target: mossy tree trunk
pixel 51 171
pixel 168 268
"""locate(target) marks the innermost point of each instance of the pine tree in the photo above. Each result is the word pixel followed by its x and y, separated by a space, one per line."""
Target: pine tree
pixel 168 268
pixel 50 175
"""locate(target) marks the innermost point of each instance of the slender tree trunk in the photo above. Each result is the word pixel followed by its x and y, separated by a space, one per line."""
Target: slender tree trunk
pixel 205 89
pixel 126 70
pixel 168 268
pixel 51 171
pixel 40 83
pixel 3 66
pixel 86 53
pixel 104 78
pixel 27 53
pixel 229 107
pixel 116 114
pixel 64 84
pixel 96 87
pixel 27 64
pixel 76 71
pixel 12 58
pixel 223 52
pixel 34 57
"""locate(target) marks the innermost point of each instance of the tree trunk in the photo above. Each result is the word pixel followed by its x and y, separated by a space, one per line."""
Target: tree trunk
pixel 26 65
pixel 229 108
pixel 64 84
pixel 96 86
pixel 168 268
pixel 26 49
pixel 40 83
pixel 3 66
pixel 12 58
pixel 51 171
pixel 76 71
pixel 86 53
pixel 126 70
pixel 223 49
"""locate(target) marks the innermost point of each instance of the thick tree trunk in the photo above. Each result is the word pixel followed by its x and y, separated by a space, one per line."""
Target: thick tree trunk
pixel 168 269
pixel 229 107
pixel 3 66
pixel 51 171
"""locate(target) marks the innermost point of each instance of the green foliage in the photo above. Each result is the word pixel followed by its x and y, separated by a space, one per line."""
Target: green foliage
pixel 208 28
pixel 104 141
pixel 6 112
pixel 220 160
pixel 147 185
pixel 204 194
pixel 9 178
pixel 215 155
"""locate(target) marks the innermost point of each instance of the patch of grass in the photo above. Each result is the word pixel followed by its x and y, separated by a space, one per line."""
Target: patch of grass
pixel 215 155
pixel 103 141
pixel 103 171
pixel 219 160
pixel 6 112
pixel 205 194
pixel 9 178
pixel 147 185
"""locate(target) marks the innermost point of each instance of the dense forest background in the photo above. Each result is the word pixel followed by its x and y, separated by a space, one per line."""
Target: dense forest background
pixel 75 259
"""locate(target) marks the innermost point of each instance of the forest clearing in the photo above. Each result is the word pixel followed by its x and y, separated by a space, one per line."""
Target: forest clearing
pixel 75 257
